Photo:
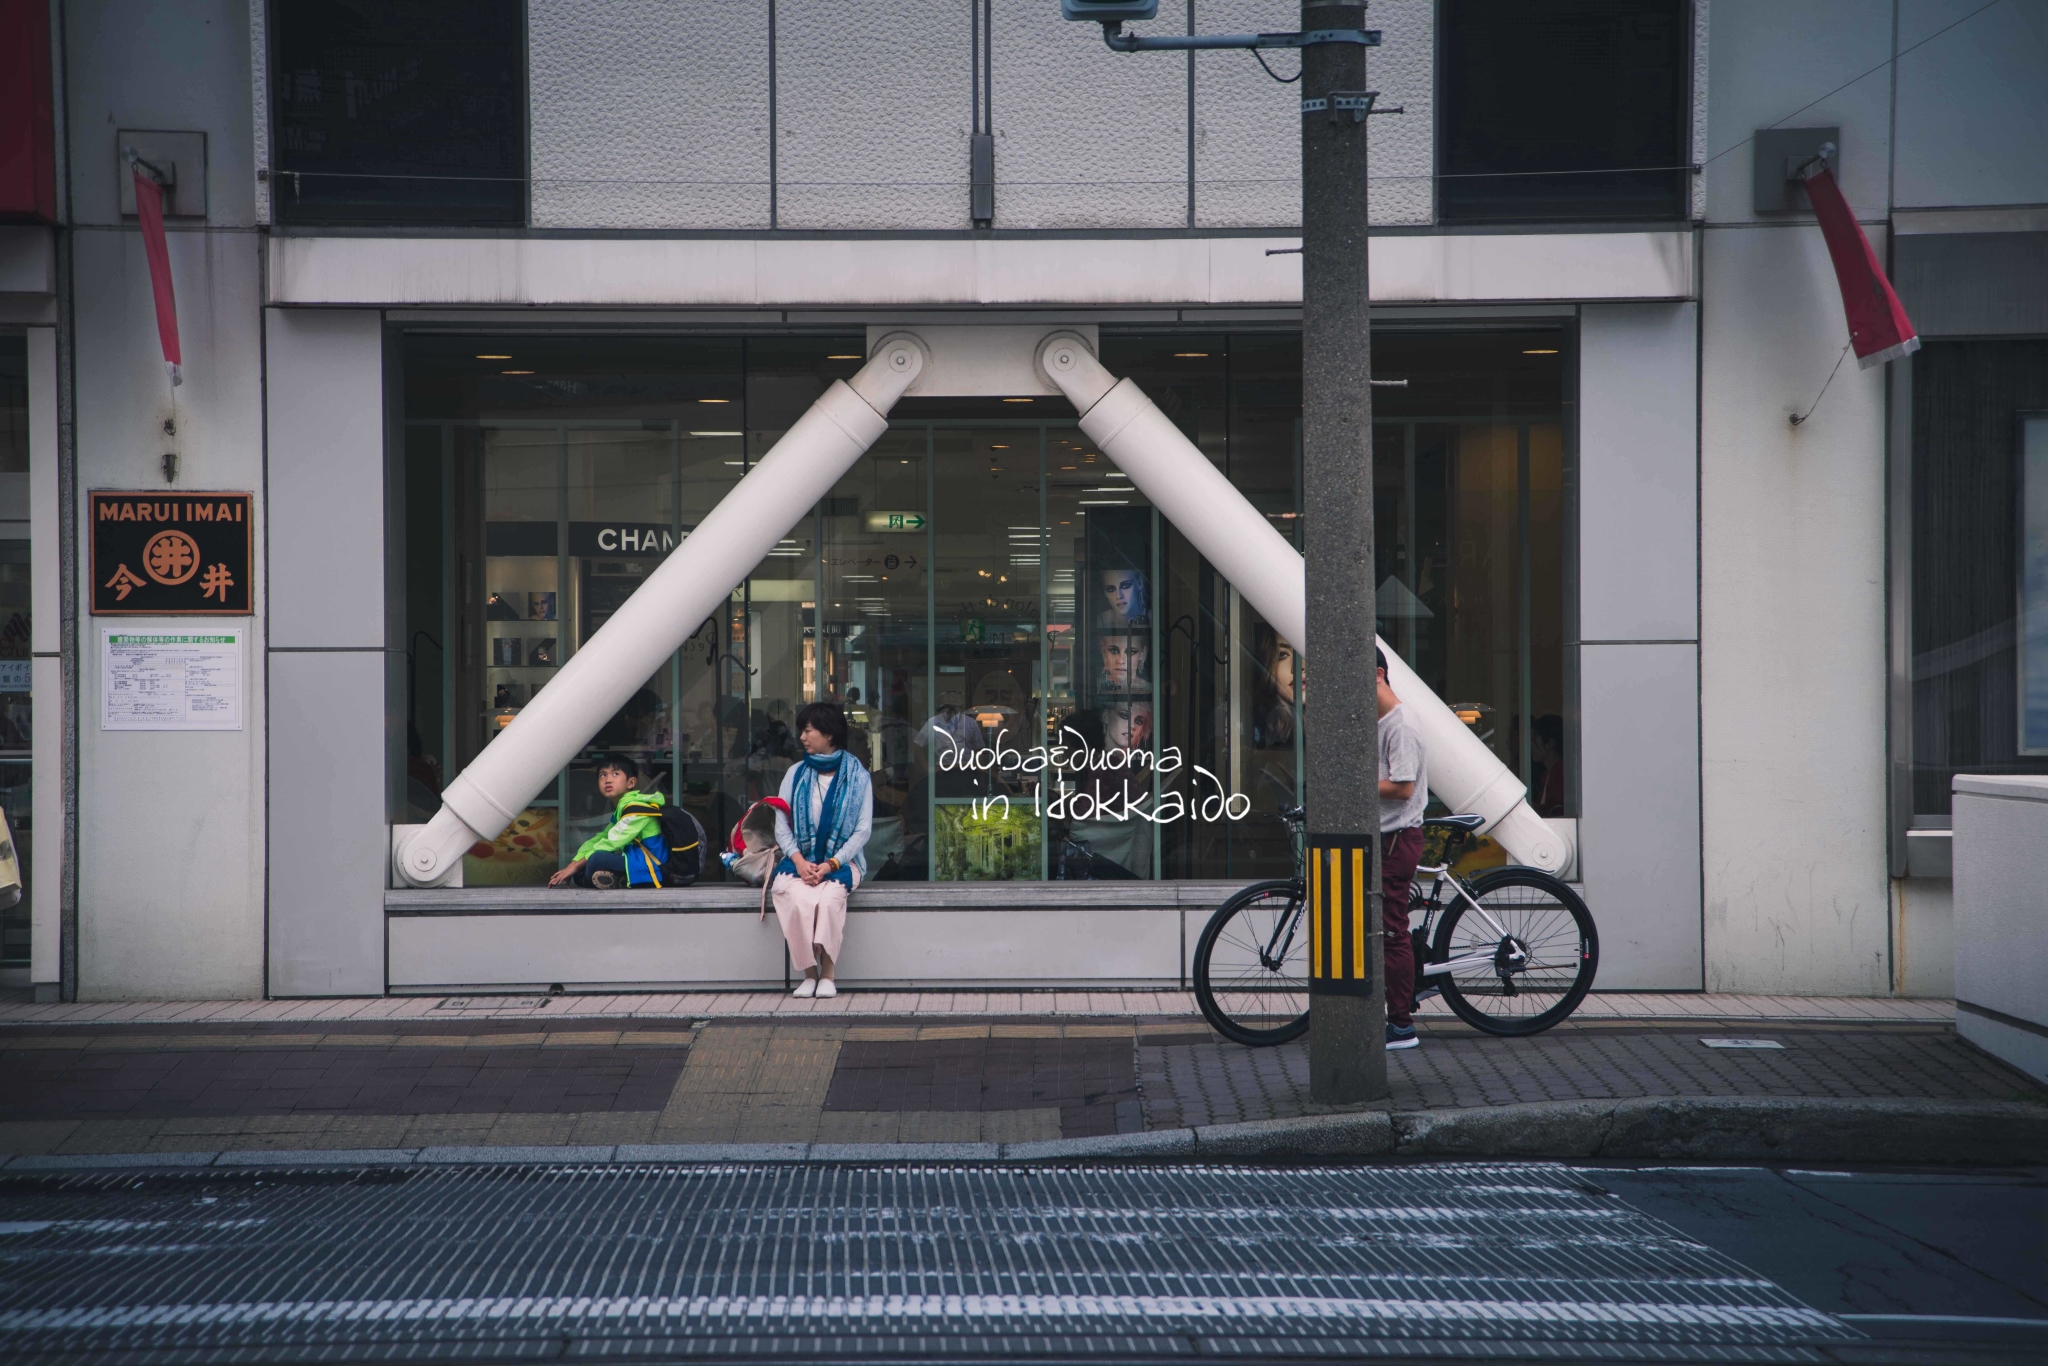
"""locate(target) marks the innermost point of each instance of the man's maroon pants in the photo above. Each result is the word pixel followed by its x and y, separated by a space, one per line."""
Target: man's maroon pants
pixel 1400 851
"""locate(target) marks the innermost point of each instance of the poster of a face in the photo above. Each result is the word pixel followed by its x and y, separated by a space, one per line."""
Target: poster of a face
pixel 1125 601
pixel 1128 725
pixel 1125 662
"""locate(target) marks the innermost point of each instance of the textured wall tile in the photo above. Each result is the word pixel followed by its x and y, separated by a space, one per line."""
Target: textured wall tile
pixel 649 113
pixel 1086 137
pixel 873 113
pixel 1248 127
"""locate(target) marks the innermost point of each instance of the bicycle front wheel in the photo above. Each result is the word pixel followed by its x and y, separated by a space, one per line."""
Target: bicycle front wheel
pixel 1251 966
pixel 1525 955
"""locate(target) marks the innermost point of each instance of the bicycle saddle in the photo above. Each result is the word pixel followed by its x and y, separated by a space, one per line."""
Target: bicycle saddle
pixel 1465 823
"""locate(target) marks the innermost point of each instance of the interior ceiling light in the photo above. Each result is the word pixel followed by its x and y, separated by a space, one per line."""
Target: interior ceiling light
pixel 714 400
pixel 1016 400
pixel 1191 355
pixel 1070 467
pixel 515 372
pixel 494 358
pixel 842 358
pixel 994 447
pixel 714 433
pixel 1541 351
pixel 1113 474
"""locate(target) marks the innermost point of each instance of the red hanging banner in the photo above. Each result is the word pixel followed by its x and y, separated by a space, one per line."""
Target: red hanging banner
pixel 149 207
pixel 1879 329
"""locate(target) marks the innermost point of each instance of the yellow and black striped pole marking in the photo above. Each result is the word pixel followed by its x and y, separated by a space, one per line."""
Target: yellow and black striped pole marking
pixel 1340 918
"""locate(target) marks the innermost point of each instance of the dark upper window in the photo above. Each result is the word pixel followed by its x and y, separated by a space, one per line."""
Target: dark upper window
pixel 395 112
pixel 1570 110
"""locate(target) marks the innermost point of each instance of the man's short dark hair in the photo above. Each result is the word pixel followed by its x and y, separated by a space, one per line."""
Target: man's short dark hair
pixel 825 718
pixel 1379 658
pixel 624 763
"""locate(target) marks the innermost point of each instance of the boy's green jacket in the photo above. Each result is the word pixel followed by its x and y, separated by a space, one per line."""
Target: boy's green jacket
pixel 636 821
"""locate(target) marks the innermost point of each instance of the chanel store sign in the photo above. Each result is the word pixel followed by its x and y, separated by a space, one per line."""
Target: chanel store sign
pixel 167 554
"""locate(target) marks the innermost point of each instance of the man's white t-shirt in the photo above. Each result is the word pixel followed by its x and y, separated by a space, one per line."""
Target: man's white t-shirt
pixel 1401 761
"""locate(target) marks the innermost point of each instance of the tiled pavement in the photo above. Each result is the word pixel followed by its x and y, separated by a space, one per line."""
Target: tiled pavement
pixel 381 1079
pixel 1212 1082
pixel 896 1004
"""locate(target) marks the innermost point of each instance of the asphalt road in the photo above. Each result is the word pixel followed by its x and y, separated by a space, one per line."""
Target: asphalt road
pixel 1951 1256
pixel 823 1262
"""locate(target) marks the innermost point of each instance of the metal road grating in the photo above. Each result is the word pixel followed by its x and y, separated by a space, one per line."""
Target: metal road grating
pixel 872 1261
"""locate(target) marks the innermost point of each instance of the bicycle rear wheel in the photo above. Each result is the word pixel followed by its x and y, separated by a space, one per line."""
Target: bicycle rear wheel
pixel 1251 966
pixel 1535 949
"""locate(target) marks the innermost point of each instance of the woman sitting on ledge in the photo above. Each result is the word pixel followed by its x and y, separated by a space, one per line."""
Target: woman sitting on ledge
pixel 831 813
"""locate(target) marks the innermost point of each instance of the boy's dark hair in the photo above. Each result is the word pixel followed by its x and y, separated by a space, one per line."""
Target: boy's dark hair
pixel 624 763
pixel 1379 658
pixel 825 718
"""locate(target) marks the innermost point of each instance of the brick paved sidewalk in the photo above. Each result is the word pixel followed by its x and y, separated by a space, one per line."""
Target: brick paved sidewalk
pixel 351 1084
pixel 1676 1005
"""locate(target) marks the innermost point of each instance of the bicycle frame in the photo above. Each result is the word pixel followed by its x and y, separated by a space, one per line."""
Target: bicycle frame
pixel 1440 874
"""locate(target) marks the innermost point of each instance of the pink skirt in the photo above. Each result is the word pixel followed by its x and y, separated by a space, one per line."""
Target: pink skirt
pixel 811 918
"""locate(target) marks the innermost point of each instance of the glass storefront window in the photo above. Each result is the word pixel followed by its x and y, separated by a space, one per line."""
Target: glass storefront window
pixel 1979 664
pixel 16 770
pixel 1044 678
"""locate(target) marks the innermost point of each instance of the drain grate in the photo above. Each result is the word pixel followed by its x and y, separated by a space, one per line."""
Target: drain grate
pixel 889 1261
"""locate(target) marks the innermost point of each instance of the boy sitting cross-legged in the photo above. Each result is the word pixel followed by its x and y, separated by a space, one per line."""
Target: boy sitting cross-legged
pixel 631 851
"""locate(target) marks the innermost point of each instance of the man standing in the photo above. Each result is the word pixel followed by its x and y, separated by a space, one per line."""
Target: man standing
pixel 1404 793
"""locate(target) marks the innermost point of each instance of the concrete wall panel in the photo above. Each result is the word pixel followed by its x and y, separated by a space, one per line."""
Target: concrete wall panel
pixel 1639 831
pixel 142 64
pixel 729 950
pixel 1638 472
pixel 1990 147
pixel 1248 126
pixel 1792 628
pixel 648 114
pixel 326 508
pixel 2001 920
pixel 171 832
pixel 1923 938
pixel 46 678
pixel 884 947
pixel 1766 62
pixel 1086 137
pixel 873 114
pixel 328 849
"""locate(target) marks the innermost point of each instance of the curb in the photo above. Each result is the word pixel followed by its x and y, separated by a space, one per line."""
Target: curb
pixel 1752 1129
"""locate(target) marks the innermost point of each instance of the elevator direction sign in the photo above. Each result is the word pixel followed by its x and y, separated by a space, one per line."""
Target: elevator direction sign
pixel 171 553
pixel 896 521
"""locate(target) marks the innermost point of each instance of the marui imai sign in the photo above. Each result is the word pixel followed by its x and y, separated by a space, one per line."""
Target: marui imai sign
pixel 166 554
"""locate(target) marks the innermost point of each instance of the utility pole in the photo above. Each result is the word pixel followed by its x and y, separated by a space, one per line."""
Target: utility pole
pixel 1347 1060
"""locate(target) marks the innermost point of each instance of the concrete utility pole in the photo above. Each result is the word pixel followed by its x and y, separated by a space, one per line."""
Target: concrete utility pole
pixel 1347 1010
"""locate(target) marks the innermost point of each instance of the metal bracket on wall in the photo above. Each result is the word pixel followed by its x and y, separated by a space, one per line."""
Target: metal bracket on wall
pixel 1119 41
pixel 1357 103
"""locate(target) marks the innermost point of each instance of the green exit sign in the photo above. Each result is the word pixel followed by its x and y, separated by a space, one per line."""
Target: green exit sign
pixel 896 521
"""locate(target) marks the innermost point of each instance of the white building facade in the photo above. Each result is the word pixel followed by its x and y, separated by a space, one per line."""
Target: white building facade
pixel 484 305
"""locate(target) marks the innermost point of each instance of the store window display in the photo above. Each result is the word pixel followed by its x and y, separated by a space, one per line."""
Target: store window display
pixel 981 587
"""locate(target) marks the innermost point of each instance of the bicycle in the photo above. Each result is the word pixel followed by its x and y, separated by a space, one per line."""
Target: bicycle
pixel 1512 951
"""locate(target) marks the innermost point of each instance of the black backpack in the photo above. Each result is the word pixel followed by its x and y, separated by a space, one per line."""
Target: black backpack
pixel 686 845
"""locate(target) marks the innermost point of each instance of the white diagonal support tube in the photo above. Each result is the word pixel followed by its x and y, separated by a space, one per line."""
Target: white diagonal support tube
pixel 1233 536
pixel 695 581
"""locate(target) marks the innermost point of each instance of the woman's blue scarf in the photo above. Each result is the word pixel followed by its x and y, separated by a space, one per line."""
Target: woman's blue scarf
pixel 846 797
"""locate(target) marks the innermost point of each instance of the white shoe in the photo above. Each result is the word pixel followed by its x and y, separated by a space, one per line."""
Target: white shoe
pixel 826 989
pixel 806 989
